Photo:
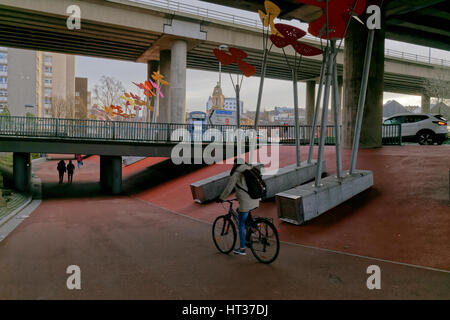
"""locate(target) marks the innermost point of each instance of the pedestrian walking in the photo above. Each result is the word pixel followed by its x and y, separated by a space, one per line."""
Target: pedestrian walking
pixel 61 167
pixel 79 160
pixel 70 170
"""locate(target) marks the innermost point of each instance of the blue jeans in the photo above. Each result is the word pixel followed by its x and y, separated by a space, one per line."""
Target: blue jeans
pixel 242 218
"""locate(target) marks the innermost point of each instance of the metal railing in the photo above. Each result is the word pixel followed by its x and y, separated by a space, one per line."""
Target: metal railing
pixel 176 6
pixel 146 132
pixel 392 134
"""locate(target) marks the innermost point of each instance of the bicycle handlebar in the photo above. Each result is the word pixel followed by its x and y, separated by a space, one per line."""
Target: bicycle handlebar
pixel 230 201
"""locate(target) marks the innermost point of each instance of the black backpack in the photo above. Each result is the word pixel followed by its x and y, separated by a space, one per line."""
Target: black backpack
pixel 256 186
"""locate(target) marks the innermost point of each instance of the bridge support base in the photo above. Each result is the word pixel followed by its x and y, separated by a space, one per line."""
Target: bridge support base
pixel 21 171
pixel 111 174
pixel 306 202
pixel 354 54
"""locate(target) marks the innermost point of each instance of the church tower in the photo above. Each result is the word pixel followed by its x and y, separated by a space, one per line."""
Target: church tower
pixel 217 98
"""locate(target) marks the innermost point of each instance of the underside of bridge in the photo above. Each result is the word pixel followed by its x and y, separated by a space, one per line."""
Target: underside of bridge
pixel 421 22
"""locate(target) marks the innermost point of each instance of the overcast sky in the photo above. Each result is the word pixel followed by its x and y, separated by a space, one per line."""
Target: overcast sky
pixel 200 84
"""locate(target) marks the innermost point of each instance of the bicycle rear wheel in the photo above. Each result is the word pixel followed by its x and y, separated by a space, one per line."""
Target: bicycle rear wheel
pixel 264 241
pixel 224 234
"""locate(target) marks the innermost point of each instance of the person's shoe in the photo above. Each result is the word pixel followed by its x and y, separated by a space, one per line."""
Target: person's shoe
pixel 239 251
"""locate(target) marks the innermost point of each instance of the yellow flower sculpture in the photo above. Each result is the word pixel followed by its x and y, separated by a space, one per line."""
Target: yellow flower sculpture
pixel 159 77
pixel 268 17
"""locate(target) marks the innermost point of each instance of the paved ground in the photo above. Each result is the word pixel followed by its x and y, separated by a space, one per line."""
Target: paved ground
pixel 404 217
pixel 131 249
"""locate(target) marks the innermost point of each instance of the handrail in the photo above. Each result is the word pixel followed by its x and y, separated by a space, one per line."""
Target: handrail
pixel 146 132
pixel 176 6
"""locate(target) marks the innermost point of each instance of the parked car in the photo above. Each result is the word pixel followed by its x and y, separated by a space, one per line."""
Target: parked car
pixel 422 128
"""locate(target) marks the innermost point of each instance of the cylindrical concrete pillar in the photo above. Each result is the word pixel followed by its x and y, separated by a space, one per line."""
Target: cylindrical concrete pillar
pixel 111 174
pixel 103 172
pixel 21 171
pixel 426 104
pixel 116 174
pixel 164 103
pixel 178 82
pixel 354 53
pixel 310 101
pixel 152 66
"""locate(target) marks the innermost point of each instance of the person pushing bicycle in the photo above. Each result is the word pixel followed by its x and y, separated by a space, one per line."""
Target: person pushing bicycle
pixel 238 182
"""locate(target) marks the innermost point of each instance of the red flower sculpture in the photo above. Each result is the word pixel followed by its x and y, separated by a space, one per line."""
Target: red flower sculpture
pixel 235 56
pixel 339 14
pixel 290 37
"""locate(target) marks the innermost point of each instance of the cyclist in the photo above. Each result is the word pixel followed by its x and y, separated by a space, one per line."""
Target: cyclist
pixel 246 203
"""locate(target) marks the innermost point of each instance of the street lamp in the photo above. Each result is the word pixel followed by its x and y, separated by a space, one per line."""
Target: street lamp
pixel 221 47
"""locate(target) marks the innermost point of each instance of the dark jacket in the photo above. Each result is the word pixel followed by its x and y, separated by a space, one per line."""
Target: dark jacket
pixel 61 167
pixel 246 203
pixel 70 168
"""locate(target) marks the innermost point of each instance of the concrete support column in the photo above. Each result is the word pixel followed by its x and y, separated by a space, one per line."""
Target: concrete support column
pixel 426 104
pixel 310 101
pixel 103 172
pixel 164 104
pixel 152 66
pixel 354 52
pixel 116 174
pixel 178 82
pixel 21 171
pixel 111 174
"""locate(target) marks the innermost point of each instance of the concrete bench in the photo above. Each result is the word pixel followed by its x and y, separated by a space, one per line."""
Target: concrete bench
pixel 289 177
pixel 285 178
pixel 306 202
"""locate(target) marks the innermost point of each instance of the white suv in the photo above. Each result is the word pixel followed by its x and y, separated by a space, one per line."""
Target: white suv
pixel 422 128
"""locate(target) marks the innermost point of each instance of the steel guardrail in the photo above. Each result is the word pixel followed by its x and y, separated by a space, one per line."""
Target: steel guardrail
pixel 146 132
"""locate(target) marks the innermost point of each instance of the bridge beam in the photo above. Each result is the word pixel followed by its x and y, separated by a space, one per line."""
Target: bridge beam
pixel 111 174
pixel 178 82
pixel 21 171
pixel 354 53
pixel 426 104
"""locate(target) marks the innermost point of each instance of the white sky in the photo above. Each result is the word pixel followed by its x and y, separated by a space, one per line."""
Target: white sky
pixel 200 84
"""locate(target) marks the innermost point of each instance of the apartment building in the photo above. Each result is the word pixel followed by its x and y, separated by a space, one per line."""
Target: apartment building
pixel 82 98
pixel 31 80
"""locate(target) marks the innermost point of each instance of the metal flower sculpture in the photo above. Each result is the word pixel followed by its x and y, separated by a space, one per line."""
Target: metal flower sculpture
pixel 290 36
pixel 235 56
pixel 337 14
pixel 268 17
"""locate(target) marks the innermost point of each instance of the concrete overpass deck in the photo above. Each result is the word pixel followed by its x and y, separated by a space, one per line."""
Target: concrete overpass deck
pixel 139 30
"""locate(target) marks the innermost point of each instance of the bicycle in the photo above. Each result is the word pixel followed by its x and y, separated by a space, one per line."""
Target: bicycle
pixel 261 235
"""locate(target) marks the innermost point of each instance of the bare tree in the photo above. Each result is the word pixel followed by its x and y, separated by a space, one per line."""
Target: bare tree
pixel 439 87
pixel 62 107
pixel 108 91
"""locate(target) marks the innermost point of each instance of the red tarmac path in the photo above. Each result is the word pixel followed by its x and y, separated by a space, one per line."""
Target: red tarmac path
pixel 129 248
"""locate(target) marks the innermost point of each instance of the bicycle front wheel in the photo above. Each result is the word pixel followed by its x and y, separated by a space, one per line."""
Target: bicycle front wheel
pixel 264 241
pixel 224 234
